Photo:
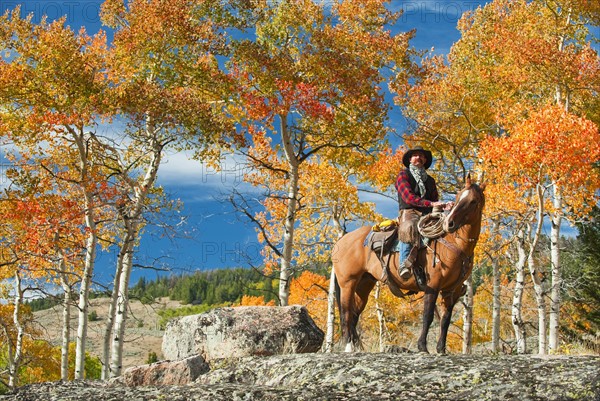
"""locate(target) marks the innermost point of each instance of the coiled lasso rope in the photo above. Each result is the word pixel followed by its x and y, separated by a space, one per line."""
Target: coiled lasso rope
pixel 432 225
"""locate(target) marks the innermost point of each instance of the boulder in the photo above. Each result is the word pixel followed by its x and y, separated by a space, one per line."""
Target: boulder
pixel 164 373
pixel 242 331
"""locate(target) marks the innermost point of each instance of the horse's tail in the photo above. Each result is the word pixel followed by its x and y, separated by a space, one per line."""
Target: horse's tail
pixel 336 292
pixel 337 295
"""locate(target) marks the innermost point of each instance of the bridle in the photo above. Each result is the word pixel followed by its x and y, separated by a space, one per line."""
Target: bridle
pixel 467 260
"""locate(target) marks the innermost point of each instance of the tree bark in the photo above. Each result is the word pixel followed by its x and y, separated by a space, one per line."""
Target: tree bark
pixel 330 313
pixel 380 318
pixel 496 291
pixel 331 294
pixel 14 363
pixel 84 291
pixel 496 307
pixel 562 99
pixel 116 364
pixel 110 320
pixel 555 297
pixel 517 318
pixel 290 218
pixel 66 318
pixel 90 255
pixel 536 275
pixel 540 299
pixel 131 217
pixel 467 345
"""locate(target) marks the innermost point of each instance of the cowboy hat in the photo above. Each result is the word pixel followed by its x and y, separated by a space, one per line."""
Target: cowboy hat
pixel 410 152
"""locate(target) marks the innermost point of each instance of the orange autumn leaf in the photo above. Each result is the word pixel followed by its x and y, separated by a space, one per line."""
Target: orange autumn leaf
pixel 310 290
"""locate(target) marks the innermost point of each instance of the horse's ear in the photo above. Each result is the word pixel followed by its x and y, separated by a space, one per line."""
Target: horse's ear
pixel 468 181
pixel 482 186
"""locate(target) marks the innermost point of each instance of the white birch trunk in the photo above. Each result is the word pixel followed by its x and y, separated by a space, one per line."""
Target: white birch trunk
pixel 66 318
pixel 84 291
pixel 116 364
pixel 66 338
pixel 331 294
pixel 380 318
pixel 496 307
pixel 496 293
pixel 330 313
pixel 517 319
pixel 536 275
pixel 562 99
pixel 555 298
pixel 541 305
pixel 110 319
pixel 14 363
pixel 290 218
pixel 288 243
pixel 467 345
pixel 90 258
pixel 131 216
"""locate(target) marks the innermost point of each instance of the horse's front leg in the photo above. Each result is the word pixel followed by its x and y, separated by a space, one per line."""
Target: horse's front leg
pixel 428 309
pixel 448 301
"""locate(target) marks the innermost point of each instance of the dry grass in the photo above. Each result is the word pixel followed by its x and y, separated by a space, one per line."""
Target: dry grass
pixel 142 336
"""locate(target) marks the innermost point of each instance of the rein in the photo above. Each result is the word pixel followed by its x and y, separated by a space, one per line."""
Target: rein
pixel 432 226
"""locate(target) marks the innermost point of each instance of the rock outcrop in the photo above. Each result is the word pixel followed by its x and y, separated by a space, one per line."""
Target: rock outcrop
pixel 210 363
pixel 360 376
pixel 165 373
pixel 242 331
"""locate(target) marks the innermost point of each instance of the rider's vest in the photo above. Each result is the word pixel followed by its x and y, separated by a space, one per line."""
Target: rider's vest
pixel 430 188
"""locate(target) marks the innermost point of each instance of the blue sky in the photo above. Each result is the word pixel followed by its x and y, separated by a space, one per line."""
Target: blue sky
pixel 213 235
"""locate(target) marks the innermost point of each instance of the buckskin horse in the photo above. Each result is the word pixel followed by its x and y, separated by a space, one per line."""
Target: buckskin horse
pixel 446 263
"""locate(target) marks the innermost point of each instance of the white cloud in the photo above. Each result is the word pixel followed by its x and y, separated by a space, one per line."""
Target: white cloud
pixel 181 170
pixel 435 11
pixel 386 206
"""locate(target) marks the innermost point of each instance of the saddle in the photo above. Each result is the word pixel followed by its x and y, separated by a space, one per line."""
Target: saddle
pixel 382 237
pixel 382 241
pixel 385 235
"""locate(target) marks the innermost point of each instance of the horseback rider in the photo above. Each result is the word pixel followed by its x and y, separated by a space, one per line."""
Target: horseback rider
pixel 417 196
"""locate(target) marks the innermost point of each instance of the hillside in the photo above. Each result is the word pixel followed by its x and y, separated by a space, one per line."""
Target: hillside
pixel 143 333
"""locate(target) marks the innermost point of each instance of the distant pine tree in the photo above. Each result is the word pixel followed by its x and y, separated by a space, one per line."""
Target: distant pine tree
pixel 212 287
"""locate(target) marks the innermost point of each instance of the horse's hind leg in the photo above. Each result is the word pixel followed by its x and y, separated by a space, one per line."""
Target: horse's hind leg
pixel 353 299
pixel 346 307
pixel 361 297
pixel 428 310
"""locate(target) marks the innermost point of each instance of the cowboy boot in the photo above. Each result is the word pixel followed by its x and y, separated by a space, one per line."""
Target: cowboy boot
pixel 406 270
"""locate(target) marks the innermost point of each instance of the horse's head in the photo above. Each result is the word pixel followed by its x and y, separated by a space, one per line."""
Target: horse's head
pixel 467 208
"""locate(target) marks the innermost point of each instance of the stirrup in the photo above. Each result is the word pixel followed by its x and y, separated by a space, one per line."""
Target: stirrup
pixel 405 273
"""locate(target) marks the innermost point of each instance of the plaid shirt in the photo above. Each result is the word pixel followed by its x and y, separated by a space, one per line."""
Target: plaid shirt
pixel 408 195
